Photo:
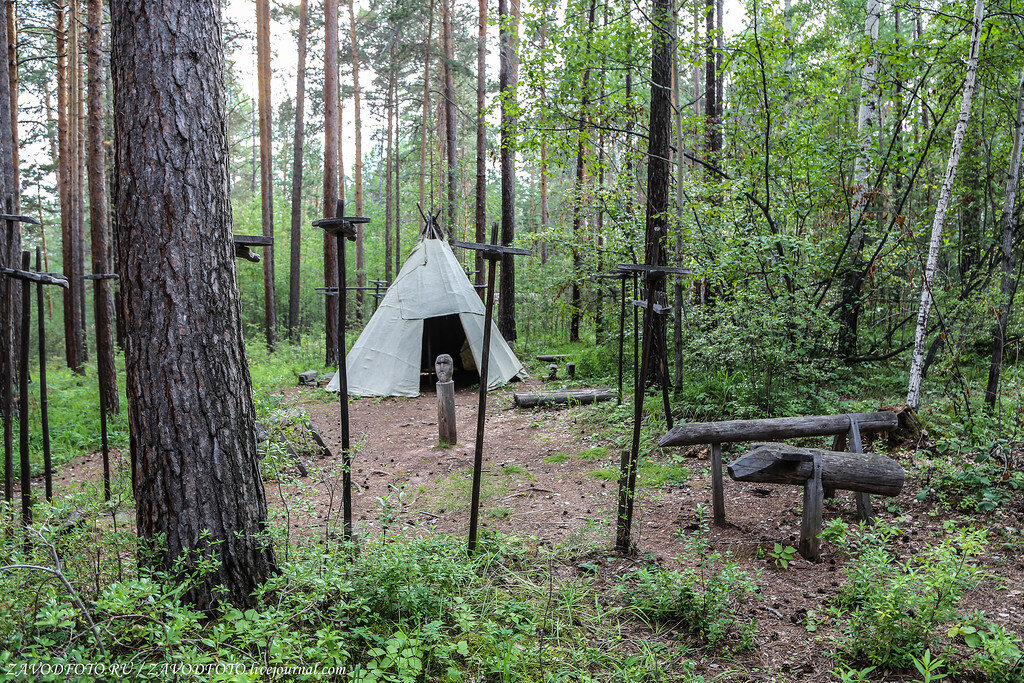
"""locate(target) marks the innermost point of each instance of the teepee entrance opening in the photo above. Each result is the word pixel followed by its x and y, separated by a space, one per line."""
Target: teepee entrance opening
pixel 444 334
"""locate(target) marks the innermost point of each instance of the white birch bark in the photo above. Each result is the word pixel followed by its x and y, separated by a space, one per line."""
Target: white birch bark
pixel 917 361
pixel 867 121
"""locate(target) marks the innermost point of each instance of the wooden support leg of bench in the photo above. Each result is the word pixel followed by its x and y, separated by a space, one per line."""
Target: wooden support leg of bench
pixel 810 524
pixel 717 489
pixel 864 510
pixel 863 499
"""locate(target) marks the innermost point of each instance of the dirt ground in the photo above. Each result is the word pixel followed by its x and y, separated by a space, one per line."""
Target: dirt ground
pixel 544 479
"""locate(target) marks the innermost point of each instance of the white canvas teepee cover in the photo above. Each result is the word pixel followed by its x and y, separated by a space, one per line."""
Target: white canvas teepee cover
pixel 385 360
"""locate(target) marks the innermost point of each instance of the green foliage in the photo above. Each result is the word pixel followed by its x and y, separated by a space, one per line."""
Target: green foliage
pixel 980 483
pixel 894 609
pixel 704 597
pixel 781 555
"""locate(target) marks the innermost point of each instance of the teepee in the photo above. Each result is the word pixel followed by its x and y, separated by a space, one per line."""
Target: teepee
pixel 431 308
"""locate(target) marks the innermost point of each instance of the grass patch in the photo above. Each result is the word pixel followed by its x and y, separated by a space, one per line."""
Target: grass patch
pixel 511 470
pixel 606 474
pixel 596 453
pixel 500 512
pixel 557 457
pixel 663 474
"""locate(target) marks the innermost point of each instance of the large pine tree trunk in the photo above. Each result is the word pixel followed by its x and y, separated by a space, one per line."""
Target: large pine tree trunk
pixel 298 142
pixel 103 301
pixel 266 168
pixel 1008 224
pixel 13 79
pixel 65 182
pixel 197 479
pixel 545 214
pixel 508 80
pixel 481 142
pixel 941 207
pixel 10 257
pixel 331 173
pixel 79 129
pixel 388 161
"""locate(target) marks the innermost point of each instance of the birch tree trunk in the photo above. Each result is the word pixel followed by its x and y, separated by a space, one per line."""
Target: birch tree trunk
pixel 196 472
pixel 1008 224
pixel 266 168
pixel 942 206
pixel 298 143
pixel 545 214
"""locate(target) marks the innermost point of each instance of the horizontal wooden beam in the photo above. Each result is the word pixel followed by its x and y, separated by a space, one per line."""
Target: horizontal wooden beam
pixel 779 463
pixel 691 433
pixel 571 397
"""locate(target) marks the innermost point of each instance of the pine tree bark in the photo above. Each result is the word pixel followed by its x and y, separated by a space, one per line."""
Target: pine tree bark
pixel 79 172
pixel 65 180
pixel 1008 225
pixel 425 117
pixel 357 169
pixel 508 77
pixel 298 143
pixel 545 214
pixel 481 143
pixel 388 187
pixel 941 207
pixel 13 79
pixel 103 300
pixel 196 474
pixel 357 164
pixel 10 256
pixel 331 173
pixel 449 112
pixel 266 168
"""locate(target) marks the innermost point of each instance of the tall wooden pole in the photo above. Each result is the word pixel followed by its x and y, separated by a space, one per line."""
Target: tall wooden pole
pixel 298 143
pixel 266 168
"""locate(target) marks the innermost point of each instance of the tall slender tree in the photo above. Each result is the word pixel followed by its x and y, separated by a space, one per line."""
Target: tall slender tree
pixel 199 494
pixel 357 163
pixel 942 206
pixel 508 11
pixel 481 141
pixel 266 168
pixel 103 301
pixel 331 172
pixel 447 59
pixel 1008 227
pixel 298 143
pixel 425 114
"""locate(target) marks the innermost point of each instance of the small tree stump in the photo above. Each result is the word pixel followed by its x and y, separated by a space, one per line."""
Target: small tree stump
pixel 446 431
pixel 570 370
pixel 552 372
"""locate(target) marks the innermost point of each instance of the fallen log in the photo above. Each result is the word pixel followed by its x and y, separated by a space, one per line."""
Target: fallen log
pixel 779 463
pixel 551 357
pixel 554 398
pixel 692 433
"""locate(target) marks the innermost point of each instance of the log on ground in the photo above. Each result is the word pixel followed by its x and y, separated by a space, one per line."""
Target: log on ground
pixel 779 463
pixel 691 433
pixel 571 397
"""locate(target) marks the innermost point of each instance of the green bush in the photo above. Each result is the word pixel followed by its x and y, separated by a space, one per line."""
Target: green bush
pixel 703 598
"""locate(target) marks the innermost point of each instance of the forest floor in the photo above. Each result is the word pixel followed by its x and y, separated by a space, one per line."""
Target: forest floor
pixel 550 477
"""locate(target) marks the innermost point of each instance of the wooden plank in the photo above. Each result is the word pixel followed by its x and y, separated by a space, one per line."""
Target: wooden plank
pixel 576 396
pixel 863 497
pixel 810 522
pixel 692 433
pixel 864 472
pixel 717 487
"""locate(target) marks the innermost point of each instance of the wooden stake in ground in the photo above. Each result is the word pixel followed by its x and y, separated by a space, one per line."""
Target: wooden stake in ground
pixel 945 195
pixel 44 413
pixel 492 253
pixel 10 222
pixel 343 227
pixel 27 277
pixel 446 431
pixel 100 280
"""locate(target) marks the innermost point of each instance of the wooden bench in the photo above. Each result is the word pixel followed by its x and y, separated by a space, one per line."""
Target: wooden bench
pixel 816 470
